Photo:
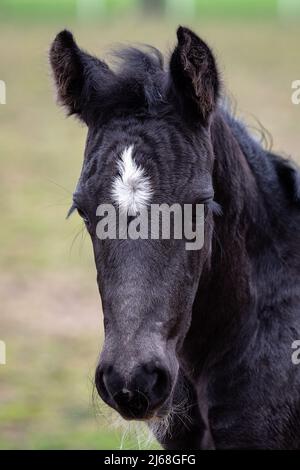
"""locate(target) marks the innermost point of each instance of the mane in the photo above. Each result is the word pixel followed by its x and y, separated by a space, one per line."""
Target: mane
pixel 272 171
pixel 144 69
pixel 137 61
pixel 137 84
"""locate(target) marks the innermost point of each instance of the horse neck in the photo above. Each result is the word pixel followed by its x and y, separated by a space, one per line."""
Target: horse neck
pixel 224 308
pixel 243 210
pixel 238 192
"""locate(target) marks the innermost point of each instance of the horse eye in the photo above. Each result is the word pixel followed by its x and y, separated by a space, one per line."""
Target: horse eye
pixel 83 216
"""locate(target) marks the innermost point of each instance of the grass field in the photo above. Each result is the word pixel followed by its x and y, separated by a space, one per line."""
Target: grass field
pixel 50 310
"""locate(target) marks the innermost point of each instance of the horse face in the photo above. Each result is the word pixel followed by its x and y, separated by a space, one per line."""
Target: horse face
pixel 147 285
pixel 148 143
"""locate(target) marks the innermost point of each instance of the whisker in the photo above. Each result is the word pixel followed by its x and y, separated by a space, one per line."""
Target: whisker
pixel 59 186
pixel 75 238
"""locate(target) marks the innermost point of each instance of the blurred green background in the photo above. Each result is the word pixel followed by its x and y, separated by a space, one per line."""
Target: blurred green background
pixel 50 311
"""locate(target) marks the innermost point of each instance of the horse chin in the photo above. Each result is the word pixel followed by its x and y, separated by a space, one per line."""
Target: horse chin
pixel 145 419
pixel 154 417
pixel 163 411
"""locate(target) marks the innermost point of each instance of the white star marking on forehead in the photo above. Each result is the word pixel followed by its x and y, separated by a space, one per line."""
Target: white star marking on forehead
pixel 131 189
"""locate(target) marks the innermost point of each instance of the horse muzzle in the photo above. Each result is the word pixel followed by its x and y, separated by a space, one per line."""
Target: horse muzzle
pixel 138 395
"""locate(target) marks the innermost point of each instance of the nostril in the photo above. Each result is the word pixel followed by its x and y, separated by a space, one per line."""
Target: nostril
pixel 99 382
pixel 101 378
pixel 161 384
pixel 108 370
pixel 147 387
pixel 158 380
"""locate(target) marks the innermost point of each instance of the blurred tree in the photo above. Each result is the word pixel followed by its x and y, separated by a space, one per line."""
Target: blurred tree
pixel 153 6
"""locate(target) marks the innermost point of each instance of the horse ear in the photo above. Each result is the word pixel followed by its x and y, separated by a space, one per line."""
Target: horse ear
pixel 77 75
pixel 194 75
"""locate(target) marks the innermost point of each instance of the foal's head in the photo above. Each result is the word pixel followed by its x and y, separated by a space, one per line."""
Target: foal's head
pixel 148 142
